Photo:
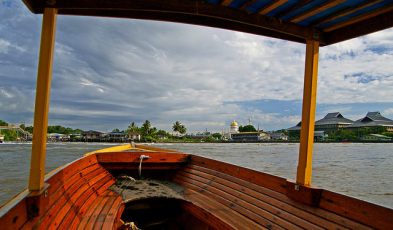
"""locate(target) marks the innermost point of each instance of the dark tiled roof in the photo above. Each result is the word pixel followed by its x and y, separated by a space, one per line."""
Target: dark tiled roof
pixel 333 119
pixel 372 119
pixel 295 128
pixel 329 119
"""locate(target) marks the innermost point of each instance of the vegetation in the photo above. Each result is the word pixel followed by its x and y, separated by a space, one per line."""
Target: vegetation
pixel 179 127
pixel 9 134
pixel 63 130
pixel 342 135
pixel 217 136
pixel 247 128
pixel 15 134
pixel 348 134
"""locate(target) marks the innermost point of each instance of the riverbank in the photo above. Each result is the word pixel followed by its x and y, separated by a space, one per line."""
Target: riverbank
pixel 202 142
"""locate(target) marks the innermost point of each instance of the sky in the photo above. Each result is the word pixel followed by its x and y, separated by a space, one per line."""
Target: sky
pixel 111 72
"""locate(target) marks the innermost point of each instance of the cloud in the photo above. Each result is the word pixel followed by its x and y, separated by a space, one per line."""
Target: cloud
pixel 388 112
pixel 110 72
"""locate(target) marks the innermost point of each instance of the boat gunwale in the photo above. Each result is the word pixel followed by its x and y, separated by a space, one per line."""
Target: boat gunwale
pixel 11 203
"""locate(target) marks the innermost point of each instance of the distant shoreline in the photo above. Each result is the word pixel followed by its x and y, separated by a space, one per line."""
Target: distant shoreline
pixel 197 142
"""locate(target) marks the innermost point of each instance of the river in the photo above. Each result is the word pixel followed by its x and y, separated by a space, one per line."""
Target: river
pixel 361 170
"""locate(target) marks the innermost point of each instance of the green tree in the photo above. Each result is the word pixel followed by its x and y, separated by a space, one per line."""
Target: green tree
pixel 247 128
pixel 3 123
pixel 389 134
pixel 10 135
pixel 153 131
pixel 133 128
pixel 179 127
pixel 217 136
pixel 116 130
pixel 176 126
pixel 146 128
pixel 162 133
pixel 78 131
pixel 29 129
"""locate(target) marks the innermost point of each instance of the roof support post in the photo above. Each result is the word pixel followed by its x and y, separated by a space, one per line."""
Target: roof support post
pixel 304 169
pixel 44 77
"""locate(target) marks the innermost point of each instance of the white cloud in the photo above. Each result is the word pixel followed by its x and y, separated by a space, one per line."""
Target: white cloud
pixel 4 46
pixel 388 112
pixel 123 70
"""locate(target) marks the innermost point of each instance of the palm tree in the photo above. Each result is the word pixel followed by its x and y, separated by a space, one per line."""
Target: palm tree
pixel 146 127
pixel 179 127
pixel 132 128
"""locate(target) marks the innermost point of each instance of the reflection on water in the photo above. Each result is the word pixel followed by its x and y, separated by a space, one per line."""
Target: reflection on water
pixel 360 170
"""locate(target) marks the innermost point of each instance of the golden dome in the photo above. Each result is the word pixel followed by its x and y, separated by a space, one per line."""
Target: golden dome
pixel 234 123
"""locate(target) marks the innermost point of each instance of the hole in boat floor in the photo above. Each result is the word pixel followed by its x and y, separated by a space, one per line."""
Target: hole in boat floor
pixel 153 205
pixel 159 213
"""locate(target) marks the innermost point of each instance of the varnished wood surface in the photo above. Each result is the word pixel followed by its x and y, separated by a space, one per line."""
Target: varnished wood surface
pixel 77 197
pixel 297 21
pixel 264 200
pixel 222 195
pixel 129 161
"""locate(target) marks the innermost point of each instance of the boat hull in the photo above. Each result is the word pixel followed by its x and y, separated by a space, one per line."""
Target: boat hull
pixel 213 195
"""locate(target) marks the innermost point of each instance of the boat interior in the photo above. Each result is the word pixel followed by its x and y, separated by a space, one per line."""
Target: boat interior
pixel 152 188
pixel 139 187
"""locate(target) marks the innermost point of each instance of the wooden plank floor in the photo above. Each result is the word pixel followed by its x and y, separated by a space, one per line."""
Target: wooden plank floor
pixel 244 205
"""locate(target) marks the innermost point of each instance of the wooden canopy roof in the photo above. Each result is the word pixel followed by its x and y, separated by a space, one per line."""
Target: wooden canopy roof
pixel 328 21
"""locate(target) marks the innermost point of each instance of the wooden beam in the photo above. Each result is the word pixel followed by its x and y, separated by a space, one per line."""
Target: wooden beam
pixel 348 11
pixel 271 7
pixel 192 12
pixel 360 18
pixel 316 10
pixel 44 77
pixel 247 4
pixel 378 23
pixel 226 2
pixel 294 7
pixel 200 12
pixel 304 169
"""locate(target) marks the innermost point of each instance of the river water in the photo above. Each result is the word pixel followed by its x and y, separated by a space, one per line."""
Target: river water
pixel 361 170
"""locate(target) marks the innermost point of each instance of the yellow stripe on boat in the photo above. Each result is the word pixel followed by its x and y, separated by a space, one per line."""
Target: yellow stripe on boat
pixel 118 148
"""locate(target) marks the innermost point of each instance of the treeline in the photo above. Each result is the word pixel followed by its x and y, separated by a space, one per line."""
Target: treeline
pixel 356 135
pixel 14 134
pixel 150 133
pixel 343 135
pixel 147 132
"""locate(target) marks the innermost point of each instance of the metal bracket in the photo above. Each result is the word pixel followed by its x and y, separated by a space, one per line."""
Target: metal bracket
pixel 36 201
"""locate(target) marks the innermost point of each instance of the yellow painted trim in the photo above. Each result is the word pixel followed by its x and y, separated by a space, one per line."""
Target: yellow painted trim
pixel 118 148
pixel 304 169
pixel 350 11
pixel 126 147
pixel 317 10
pixel 359 18
pixel 155 149
pixel 271 7
pixel 44 77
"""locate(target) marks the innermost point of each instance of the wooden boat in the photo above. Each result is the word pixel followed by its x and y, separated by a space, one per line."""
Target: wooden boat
pixel 100 191
pixel 183 191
